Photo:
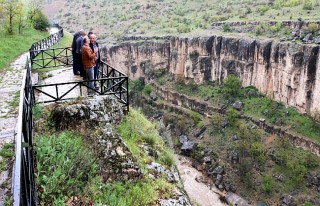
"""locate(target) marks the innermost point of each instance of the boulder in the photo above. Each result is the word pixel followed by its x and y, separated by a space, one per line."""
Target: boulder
pixel 187 147
pixel 287 200
pixel 233 156
pixel 200 131
pixel 316 40
pixel 159 169
pixel 207 160
pixel 234 137
pixel 223 107
pixel 218 180
pixel 237 105
pixel 183 139
pixel 296 32
pixel 153 96
pixel 219 170
pixel 307 38
pixel 224 123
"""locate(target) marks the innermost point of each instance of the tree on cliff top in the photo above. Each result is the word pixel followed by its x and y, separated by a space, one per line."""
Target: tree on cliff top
pixel 231 85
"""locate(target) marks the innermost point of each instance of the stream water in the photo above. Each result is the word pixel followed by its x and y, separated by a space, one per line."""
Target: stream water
pixel 199 192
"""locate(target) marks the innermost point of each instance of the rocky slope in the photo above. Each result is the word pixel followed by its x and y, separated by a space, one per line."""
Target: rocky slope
pixel 285 72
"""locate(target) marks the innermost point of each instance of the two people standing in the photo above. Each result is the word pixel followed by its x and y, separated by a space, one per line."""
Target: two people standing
pixel 86 57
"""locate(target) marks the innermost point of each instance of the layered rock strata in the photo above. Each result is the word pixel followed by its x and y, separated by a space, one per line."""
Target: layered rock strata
pixel 285 72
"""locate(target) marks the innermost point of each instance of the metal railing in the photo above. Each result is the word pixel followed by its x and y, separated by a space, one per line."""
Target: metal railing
pixel 110 82
pixel 51 58
pixel 45 43
pixel 23 178
pixel 23 182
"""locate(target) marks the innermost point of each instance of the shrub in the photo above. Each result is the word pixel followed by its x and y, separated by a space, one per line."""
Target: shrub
pixel 313 27
pixel 307 5
pixel 298 172
pixel 232 115
pixel 136 85
pixel 248 10
pixel 277 27
pixel 40 21
pixel 231 85
pixel 166 158
pixel 215 124
pixel 147 89
pixel 257 151
pixel 266 185
pixel 226 27
pixel 292 3
pixel 262 9
pixel 259 30
pixel 183 28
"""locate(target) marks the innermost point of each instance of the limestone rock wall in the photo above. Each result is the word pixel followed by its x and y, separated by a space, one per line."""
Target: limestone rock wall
pixel 285 72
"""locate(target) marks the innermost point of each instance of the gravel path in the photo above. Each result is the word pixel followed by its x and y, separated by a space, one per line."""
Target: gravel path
pixel 10 85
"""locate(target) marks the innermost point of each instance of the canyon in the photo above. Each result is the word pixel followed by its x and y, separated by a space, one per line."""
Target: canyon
pixel 283 71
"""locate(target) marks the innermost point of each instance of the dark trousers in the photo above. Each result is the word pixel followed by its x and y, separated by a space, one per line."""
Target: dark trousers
pixel 96 72
pixel 79 65
pixel 74 64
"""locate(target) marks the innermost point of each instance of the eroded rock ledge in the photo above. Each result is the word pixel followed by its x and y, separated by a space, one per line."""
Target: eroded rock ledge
pixel 285 72
pixel 96 118
pixel 204 108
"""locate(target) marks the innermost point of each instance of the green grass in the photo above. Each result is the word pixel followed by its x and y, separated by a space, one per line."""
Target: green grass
pixel 64 165
pixel 135 128
pixel 13 45
pixel 66 168
pixel 262 107
pixel 7 150
pixel 15 100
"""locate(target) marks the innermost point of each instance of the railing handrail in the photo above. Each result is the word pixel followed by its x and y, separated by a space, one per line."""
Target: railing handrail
pixel 45 43
pixel 23 184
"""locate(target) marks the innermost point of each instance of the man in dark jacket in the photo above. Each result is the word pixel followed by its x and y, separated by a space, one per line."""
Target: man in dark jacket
pixel 74 48
pixel 79 43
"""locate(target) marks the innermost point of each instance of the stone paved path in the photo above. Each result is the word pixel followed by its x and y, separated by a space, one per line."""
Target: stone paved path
pixel 60 76
pixel 10 85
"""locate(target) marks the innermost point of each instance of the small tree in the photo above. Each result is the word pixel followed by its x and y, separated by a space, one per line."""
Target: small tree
pixel 11 12
pixel 40 21
pixel 313 27
pixel 232 115
pixel 226 27
pixel 231 85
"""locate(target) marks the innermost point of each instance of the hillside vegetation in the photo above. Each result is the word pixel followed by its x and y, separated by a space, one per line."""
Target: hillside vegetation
pixel 113 18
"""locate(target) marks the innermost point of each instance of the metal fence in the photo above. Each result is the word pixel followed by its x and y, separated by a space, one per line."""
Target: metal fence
pixel 110 82
pixel 45 43
pixel 52 58
pixel 23 178
pixel 23 182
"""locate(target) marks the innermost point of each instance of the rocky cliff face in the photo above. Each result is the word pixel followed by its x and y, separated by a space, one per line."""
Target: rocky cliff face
pixel 285 72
